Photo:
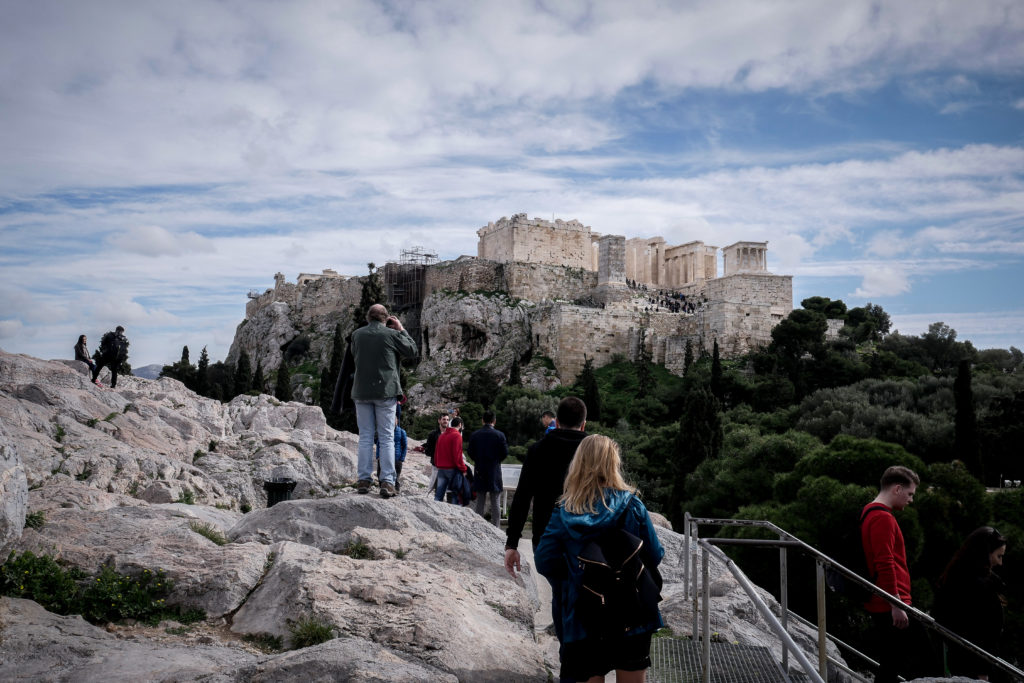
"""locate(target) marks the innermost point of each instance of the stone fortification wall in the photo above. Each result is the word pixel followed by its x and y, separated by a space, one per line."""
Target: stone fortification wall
pixel 566 333
pixel 739 327
pixel 754 288
pixel 534 240
pixel 531 281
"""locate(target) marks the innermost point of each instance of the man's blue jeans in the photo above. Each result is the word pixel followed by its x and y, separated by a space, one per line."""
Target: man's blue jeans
pixel 376 417
pixel 444 478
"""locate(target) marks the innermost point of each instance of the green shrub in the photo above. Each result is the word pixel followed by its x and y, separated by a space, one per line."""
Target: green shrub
pixel 210 531
pixel 245 508
pixel 59 435
pixel 310 631
pixel 84 474
pixel 358 550
pixel 110 417
pixel 186 497
pixel 92 422
pixel 106 596
pixel 198 454
pixel 35 520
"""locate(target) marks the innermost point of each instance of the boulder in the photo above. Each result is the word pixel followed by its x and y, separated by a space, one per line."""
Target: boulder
pixel 13 492
pixel 75 650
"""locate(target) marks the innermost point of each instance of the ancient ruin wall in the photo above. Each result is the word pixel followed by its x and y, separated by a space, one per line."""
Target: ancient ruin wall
pixel 756 288
pixel 534 240
pixel 531 281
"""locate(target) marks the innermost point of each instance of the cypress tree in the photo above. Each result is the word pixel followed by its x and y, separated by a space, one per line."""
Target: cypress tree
pixel 243 374
pixel 202 380
pixel 329 375
pixel 717 388
pixel 372 293
pixel 688 356
pixel 966 443
pixel 644 375
pixel 700 438
pixel 515 378
pixel 590 390
pixel 258 383
pixel 283 388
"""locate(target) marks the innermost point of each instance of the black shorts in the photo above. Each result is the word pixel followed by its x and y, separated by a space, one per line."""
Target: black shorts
pixel 583 659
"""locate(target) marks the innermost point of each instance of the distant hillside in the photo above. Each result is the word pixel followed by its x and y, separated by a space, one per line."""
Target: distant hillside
pixel 148 371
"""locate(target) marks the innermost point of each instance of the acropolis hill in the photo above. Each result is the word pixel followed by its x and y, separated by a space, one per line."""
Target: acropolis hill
pixel 537 288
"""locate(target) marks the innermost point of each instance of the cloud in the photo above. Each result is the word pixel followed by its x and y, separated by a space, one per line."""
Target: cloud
pixel 10 329
pixel 152 240
pixel 882 281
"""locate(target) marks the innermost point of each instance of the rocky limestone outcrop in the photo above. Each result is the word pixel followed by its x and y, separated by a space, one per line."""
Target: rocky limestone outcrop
pixel 404 583
pixel 13 491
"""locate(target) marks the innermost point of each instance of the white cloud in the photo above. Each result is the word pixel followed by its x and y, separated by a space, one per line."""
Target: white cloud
pixel 882 281
pixel 10 329
pixel 153 240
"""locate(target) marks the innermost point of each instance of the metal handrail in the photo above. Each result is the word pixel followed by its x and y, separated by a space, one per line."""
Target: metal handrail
pixel 787 540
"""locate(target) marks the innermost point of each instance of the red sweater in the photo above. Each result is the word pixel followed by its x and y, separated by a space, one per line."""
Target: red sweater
pixel 886 558
pixel 448 452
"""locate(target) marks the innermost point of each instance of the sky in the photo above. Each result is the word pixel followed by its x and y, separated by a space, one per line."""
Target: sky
pixel 160 160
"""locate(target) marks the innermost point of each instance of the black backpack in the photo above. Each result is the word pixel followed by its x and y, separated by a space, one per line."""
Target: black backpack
pixel 850 554
pixel 618 592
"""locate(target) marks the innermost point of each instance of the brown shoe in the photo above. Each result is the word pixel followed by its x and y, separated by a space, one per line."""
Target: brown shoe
pixel 387 489
pixel 363 485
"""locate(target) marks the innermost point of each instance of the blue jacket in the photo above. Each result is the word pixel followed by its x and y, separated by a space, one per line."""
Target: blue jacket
pixel 487 448
pixel 401 445
pixel 565 537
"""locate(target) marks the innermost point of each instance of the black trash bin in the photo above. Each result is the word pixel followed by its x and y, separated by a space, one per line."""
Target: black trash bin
pixel 278 490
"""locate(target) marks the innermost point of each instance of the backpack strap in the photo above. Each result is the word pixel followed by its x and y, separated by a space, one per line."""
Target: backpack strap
pixel 871 508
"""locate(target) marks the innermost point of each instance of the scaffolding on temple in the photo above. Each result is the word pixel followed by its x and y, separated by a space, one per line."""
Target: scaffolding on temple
pixel 404 283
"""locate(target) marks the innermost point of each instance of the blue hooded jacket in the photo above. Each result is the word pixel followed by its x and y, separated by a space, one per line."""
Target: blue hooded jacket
pixel 565 537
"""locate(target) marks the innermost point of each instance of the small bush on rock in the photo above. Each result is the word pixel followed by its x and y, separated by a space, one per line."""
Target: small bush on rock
pixel 210 531
pixel 358 550
pixel 35 520
pixel 104 597
pixel 310 631
pixel 187 497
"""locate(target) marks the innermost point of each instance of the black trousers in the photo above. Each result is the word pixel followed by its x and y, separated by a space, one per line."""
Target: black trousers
pixel 112 363
pixel 905 652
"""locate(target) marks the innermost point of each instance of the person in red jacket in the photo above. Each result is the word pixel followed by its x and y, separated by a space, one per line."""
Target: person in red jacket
pixel 902 643
pixel 448 456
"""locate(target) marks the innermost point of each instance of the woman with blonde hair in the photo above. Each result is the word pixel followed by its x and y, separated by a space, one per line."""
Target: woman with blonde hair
pixel 596 498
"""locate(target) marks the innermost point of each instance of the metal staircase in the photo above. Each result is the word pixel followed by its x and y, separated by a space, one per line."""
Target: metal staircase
pixel 678 660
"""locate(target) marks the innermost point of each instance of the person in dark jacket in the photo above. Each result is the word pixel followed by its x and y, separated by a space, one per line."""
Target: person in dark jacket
pixel 596 498
pixel 82 352
pixel 113 352
pixel 540 483
pixel 970 600
pixel 487 448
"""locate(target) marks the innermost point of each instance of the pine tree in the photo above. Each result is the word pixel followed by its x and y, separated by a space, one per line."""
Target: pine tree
pixel 283 388
pixel 243 374
pixel 258 383
pixel 202 379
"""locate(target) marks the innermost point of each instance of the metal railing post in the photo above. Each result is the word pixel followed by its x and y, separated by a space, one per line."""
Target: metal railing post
pixel 784 599
pixel 694 593
pixel 822 633
pixel 686 552
pixel 705 656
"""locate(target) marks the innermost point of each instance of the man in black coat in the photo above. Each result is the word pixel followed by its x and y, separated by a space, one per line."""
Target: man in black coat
pixel 487 448
pixel 541 482
pixel 113 352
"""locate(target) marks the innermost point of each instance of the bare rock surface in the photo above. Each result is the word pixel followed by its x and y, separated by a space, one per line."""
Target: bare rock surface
pixel 42 646
pixel 13 490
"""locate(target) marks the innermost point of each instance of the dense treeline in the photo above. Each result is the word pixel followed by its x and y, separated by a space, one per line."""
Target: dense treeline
pixel 800 431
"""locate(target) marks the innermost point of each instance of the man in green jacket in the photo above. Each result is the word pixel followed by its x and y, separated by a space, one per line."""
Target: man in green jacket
pixel 375 388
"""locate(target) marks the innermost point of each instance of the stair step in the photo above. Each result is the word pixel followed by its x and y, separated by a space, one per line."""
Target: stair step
pixel 677 660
